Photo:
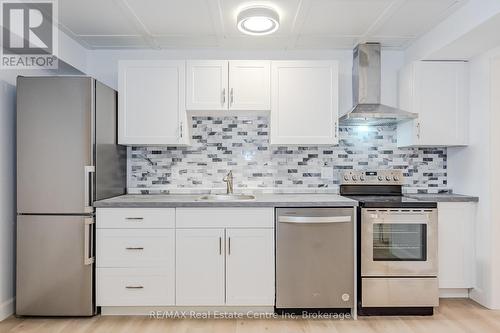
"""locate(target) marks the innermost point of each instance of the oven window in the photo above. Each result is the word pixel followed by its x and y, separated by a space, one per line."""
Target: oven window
pixel 399 242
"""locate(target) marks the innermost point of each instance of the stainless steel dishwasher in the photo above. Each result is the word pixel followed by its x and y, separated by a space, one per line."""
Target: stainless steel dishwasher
pixel 314 259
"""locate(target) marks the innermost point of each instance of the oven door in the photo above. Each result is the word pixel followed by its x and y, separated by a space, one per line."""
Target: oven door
pixel 398 242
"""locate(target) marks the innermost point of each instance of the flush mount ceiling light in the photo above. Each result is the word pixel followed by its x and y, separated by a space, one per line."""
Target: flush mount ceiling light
pixel 258 21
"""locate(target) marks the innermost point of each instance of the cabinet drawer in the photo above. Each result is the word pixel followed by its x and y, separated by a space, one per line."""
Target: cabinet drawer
pixel 135 248
pixel 225 217
pixel 135 287
pixel 395 292
pixel 135 218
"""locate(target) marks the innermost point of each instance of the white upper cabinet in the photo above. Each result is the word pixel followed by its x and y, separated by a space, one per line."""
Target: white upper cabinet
pixel 304 103
pixel 250 85
pixel 217 85
pixel 438 92
pixel 207 85
pixel 152 103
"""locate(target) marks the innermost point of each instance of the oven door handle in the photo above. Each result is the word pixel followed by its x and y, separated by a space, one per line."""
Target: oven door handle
pixel 315 219
pixel 418 218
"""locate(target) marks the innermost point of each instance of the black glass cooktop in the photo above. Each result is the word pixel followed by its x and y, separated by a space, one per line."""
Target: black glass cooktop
pixel 390 201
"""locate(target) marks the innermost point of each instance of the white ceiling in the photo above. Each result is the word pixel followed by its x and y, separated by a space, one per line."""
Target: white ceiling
pixel 305 24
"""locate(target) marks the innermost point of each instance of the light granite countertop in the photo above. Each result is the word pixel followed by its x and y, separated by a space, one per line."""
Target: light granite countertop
pixel 443 197
pixel 261 200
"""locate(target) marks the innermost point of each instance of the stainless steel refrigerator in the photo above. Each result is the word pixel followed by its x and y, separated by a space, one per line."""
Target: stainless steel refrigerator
pixel 67 157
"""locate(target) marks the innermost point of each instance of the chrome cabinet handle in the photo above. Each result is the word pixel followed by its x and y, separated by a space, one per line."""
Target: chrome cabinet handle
pixel 220 245
pixel 134 218
pixel 180 129
pixel 223 96
pixel 88 244
pixel 314 219
pixel 134 248
pixel 134 287
pixel 336 130
pixel 418 130
pixel 87 204
pixel 232 96
pixel 229 246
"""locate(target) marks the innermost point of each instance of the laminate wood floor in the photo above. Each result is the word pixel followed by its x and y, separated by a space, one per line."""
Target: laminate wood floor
pixel 454 315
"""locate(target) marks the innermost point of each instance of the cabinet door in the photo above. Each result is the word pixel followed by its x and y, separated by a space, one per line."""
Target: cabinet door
pixel 207 85
pixel 199 267
pixel 249 266
pixel 304 102
pixel 442 103
pixel 249 85
pixel 437 91
pixel 456 244
pixel 152 103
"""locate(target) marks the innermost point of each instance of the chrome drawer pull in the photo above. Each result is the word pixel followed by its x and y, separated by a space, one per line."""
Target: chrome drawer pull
pixel 134 248
pixel 134 287
pixel 134 218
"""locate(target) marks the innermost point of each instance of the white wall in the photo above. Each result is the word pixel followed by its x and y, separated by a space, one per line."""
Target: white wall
pixel 103 64
pixel 7 198
pixel 473 170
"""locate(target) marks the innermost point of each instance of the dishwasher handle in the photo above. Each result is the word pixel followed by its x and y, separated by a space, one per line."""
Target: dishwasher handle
pixel 314 219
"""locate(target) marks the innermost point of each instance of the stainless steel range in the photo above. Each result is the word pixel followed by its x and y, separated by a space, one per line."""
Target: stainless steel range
pixel 397 242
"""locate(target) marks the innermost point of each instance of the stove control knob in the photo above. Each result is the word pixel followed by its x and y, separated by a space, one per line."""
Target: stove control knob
pixel 346 177
pixel 362 178
pixel 388 178
pixel 396 178
pixel 354 177
pixel 380 178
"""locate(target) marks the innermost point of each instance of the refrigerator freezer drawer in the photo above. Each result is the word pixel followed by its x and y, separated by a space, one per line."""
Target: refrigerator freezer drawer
pixel 136 248
pixel 135 287
pixel 54 277
pixel 133 218
pixel 394 292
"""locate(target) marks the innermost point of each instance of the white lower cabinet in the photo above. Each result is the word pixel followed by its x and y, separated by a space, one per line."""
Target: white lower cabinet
pixel 135 287
pixel 185 257
pixel 230 261
pixel 456 244
pixel 135 257
pixel 135 247
pixel 249 267
pixel 200 266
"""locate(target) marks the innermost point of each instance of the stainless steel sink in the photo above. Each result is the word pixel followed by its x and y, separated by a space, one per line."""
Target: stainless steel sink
pixel 227 197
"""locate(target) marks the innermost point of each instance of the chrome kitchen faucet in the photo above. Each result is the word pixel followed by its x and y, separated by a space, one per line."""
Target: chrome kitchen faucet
pixel 229 182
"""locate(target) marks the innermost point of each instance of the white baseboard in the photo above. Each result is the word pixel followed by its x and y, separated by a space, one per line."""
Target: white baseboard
pixel 7 308
pixel 183 310
pixel 454 293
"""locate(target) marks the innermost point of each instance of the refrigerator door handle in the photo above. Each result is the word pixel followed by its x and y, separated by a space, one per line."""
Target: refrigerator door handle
pixel 87 206
pixel 88 244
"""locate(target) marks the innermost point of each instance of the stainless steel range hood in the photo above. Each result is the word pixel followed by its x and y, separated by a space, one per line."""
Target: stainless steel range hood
pixel 366 78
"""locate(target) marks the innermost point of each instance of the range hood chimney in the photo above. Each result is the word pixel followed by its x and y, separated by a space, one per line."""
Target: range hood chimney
pixel 366 78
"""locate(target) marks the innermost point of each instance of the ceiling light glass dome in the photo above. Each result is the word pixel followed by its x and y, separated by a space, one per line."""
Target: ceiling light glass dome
pixel 258 21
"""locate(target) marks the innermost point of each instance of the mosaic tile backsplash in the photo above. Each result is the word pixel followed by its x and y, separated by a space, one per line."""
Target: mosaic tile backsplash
pixel 241 144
